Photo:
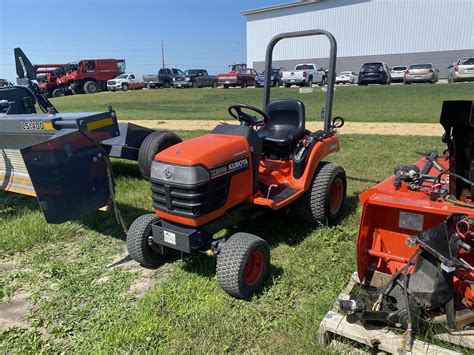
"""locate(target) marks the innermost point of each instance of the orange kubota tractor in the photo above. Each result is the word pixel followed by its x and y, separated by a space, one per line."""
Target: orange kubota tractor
pixel 416 236
pixel 238 172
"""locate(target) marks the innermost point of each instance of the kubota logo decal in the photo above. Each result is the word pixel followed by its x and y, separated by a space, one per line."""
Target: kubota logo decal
pixel 228 168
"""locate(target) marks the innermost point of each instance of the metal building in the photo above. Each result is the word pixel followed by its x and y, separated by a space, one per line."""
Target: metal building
pixel 397 32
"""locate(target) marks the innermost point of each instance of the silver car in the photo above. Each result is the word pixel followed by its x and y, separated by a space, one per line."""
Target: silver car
pixel 461 70
pixel 397 73
pixel 421 73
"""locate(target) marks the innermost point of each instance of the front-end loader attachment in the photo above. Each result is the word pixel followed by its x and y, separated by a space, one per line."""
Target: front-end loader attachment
pixel 59 159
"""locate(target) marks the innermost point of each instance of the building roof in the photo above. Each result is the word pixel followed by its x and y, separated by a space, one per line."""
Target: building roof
pixel 278 7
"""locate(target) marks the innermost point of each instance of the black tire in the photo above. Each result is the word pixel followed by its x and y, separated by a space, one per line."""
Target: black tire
pixel 91 87
pixel 57 93
pixel 166 84
pixel 214 84
pixel 286 85
pixel 234 271
pixel 124 87
pixel 315 205
pixel 243 84
pixel 154 143
pixel 138 246
pixel 195 84
pixel 226 86
pixel 310 82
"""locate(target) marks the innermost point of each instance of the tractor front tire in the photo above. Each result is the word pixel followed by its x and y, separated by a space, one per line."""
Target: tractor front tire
pixel 243 265
pixel 154 143
pixel 91 87
pixel 323 202
pixel 138 245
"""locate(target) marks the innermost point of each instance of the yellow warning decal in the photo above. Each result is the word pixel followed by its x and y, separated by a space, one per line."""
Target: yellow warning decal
pixel 100 124
pixel 48 126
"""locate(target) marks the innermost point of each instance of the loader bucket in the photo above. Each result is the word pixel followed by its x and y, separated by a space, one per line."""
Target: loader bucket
pixel 59 159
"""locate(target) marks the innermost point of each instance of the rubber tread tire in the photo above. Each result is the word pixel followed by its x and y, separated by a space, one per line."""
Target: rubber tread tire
pixel 313 205
pixel 137 241
pixel 231 263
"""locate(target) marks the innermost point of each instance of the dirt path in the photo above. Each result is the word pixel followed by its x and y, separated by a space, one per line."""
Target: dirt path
pixel 380 128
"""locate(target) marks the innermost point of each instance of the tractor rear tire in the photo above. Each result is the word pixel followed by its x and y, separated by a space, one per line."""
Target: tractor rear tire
pixel 138 245
pixel 323 202
pixel 243 265
pixel 154 143
pixel 91 87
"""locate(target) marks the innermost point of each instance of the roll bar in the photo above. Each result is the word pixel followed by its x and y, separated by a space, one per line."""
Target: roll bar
pixel 332 69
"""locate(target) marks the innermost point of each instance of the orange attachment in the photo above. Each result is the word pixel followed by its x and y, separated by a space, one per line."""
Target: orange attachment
pixel 389 216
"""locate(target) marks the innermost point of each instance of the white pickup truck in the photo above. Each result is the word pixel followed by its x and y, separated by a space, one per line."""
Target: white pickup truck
pixel 304 75
pixel 125 82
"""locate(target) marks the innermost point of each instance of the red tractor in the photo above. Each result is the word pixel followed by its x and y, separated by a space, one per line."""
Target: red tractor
pixel 47 75
pixel 416 236
pixel 267 163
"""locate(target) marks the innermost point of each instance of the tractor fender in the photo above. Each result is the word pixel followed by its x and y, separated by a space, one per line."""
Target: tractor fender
pixel 320 150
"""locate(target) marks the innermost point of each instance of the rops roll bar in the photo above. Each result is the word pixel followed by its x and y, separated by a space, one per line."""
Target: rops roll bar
pixel 331 76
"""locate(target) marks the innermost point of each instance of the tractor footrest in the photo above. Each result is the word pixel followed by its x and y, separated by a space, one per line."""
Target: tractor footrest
pixel 178 237
pixel 277 193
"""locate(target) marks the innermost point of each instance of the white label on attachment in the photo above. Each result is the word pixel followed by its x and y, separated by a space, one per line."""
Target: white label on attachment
pixel 169 237
pixel 413 221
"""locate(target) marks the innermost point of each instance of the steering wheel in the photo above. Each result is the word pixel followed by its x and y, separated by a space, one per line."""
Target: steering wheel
pixel 246 119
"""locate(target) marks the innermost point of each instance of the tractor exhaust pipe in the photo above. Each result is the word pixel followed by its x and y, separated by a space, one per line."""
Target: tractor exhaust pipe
pixel 331 73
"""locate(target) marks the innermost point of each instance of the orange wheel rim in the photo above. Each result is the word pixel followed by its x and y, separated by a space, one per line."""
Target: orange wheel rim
pixel 254 268
pixel 336 196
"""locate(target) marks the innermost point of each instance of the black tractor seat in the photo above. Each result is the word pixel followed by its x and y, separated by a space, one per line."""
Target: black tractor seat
pixel 286 125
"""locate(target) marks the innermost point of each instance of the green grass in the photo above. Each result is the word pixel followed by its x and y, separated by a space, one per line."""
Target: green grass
pixel 79 304
pixel 395 103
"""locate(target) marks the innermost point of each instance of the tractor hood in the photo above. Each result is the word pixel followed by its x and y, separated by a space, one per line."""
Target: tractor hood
pixel 210 150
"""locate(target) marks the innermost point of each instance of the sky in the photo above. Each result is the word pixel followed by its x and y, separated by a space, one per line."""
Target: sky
pixel 207 34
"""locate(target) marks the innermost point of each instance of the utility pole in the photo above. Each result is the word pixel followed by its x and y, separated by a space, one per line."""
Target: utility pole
pixel 162 55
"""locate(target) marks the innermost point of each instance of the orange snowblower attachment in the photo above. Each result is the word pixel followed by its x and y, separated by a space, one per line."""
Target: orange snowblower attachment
pixel 416 236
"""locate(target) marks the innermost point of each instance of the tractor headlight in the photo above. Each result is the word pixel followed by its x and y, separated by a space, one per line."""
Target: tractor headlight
pixel 176 174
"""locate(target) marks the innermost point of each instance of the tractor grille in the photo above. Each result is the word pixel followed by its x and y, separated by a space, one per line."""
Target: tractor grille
pixel 190 201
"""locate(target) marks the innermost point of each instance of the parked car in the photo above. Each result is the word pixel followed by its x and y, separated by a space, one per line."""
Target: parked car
pixel 421 73
pixel 304 75
pixel 346 77
pixel 275 78
pixel 166 76
pixel 240 77
pixel 397 73
pixel 461 70
pixel 196 78
pixel 374 73
pixel 125 82
pixel 150 80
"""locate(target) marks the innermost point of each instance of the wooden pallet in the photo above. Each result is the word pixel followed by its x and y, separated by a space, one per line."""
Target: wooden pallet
pixel 336 324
